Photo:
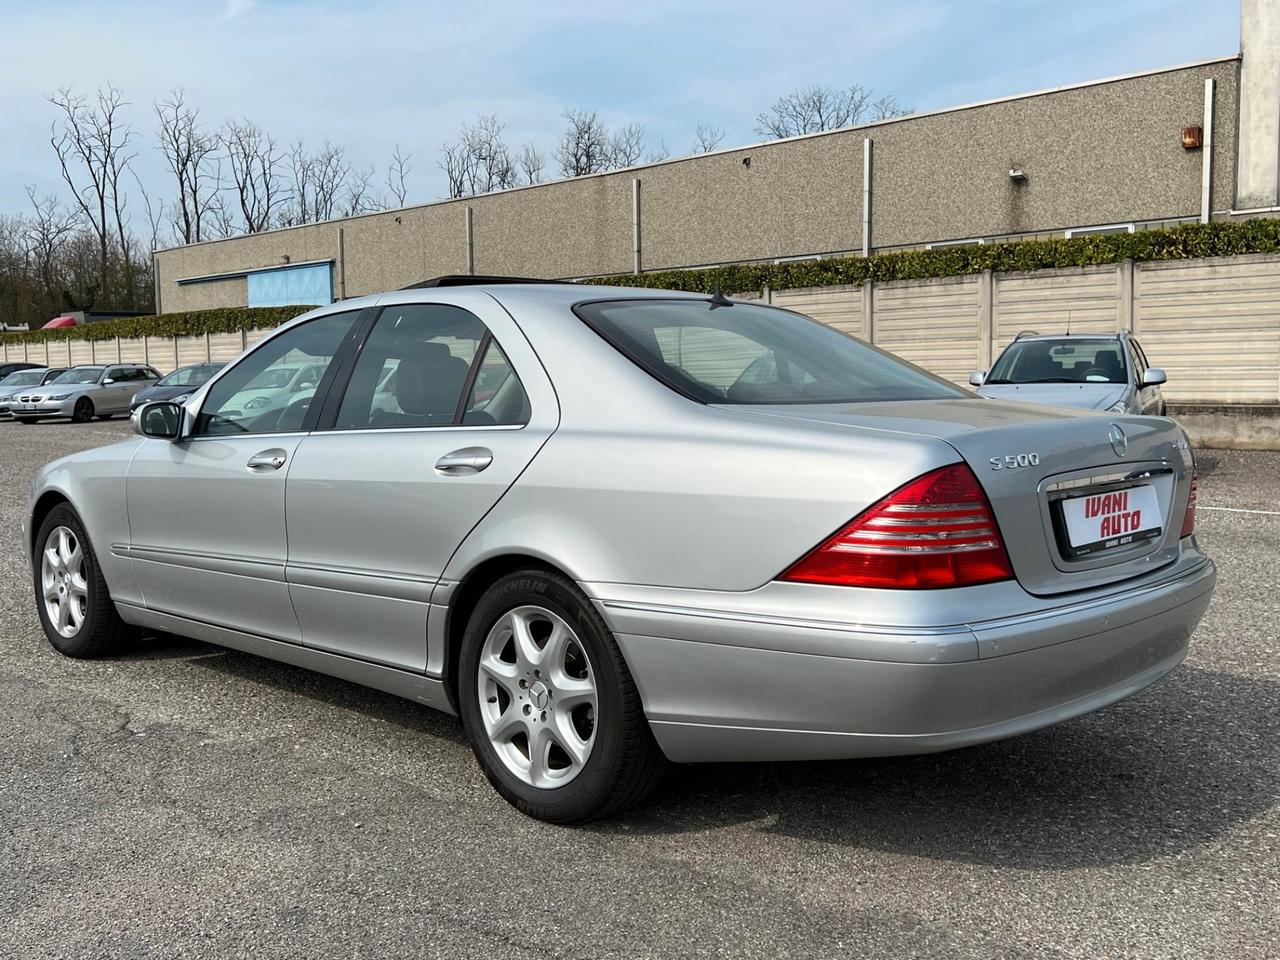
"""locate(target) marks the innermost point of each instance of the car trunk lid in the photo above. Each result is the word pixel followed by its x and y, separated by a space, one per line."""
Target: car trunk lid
pixel 1064 485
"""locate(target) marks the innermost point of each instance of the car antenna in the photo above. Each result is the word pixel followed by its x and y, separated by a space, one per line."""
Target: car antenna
pixel 718 299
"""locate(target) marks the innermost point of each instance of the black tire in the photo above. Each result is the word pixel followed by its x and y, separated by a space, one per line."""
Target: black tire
pixel 105 416
pixel 26 420
pixel 625 764
pixel 102 632
pixel 83 411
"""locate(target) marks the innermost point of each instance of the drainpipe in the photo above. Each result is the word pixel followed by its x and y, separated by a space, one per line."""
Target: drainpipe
pixel 471 242
pixel 342 264
pixel 1206 149
pixel 635 225
pixel 866 197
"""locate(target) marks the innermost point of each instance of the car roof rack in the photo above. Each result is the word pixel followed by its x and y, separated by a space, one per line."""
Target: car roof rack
pixel 1026 333
pixel 471 280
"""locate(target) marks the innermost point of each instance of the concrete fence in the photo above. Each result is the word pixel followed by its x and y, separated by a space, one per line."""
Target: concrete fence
pixel 1212 324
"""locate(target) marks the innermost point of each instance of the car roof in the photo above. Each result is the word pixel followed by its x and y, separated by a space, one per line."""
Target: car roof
pixel 1070 336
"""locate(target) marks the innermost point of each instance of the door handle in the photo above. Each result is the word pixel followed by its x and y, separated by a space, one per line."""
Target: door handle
pixel 468 460
pixel 267 460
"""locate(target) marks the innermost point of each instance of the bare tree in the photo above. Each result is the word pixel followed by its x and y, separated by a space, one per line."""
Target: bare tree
pixel 659 154
pixel 625 146
pixel 253 162
pixel 155 215
pixel 46 233
pixel 815 109
pixel 479 161
pixel 397 175
pixel 301 208
pixel 707 138
pixel 331 169
pixel 532 163
pixel 358 197
pixel 92 145
pixel 190 153
pixel 584 146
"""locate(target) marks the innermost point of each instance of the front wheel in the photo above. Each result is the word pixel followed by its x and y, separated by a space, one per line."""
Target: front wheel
pixel 554 718
pixel 75 606
pixel 83 411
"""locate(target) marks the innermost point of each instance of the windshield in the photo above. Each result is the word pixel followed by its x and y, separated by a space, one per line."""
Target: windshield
pixel 275 378
pixel 1060 361
pixel 745 354
pixel 80 375
pixel 189 376
pixel 23 378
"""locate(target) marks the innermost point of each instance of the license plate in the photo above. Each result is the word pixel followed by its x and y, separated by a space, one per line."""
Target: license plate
pixel 1107 521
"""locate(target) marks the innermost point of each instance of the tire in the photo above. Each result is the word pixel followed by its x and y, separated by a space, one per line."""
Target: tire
pixel 83 411
pixel 100 631
pixel 26 420
pixel 105 416
pixel 623 763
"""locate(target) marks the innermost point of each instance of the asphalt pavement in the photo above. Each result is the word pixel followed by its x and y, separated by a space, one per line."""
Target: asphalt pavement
pixel 187 801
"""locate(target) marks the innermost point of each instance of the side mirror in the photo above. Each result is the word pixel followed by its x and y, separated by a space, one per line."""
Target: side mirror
pixel 1154 377
pixel 108 380
pixel 977 377
pixel 159 419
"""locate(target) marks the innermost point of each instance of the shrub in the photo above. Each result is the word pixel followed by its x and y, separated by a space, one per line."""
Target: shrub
pixel 1175 243
pixel 190 324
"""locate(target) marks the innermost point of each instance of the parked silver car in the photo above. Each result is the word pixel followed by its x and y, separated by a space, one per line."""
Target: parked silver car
pixel 1098 372
pixel 85 392
pixel 649 526
pixel 23 381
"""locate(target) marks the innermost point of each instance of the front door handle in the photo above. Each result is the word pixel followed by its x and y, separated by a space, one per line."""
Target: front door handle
pixel 468 460
pixel 267 460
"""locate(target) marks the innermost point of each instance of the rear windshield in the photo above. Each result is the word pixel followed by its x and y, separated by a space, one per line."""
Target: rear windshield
pixel 1060 361
pixel 190 376
pixel 743 354
pixel 25 378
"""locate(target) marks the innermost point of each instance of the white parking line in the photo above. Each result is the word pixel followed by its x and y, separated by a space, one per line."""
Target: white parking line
pixel 1266 513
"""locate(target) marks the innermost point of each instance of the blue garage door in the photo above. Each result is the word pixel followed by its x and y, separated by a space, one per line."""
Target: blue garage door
pixel 307 284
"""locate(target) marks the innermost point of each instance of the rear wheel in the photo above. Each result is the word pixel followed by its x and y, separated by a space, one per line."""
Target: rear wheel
pixel 75 606
pixel 549 705
pixel 83 411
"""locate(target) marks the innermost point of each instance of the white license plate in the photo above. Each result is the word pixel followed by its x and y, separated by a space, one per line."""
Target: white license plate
pixel 1105 521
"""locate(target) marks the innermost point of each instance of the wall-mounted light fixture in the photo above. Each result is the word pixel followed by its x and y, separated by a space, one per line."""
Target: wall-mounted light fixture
pixel 746 162
pixel 285 258
pixel 1017 175
pixel 1192 138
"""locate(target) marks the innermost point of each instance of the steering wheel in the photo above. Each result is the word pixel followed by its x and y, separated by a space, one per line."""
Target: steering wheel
pixel 291 416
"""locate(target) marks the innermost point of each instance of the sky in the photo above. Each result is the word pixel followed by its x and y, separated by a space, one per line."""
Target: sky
pixel 374 74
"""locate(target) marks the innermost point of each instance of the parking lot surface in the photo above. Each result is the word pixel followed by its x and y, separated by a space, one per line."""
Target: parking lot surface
pixel 187 801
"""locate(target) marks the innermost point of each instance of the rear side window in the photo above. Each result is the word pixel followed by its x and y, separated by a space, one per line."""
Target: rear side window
pixel 748 354
pixel 419 362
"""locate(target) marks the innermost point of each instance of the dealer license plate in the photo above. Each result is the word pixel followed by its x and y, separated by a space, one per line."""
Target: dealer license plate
pixel 1107 521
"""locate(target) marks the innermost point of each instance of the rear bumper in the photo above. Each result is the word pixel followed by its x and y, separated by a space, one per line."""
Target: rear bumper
pixel 728 688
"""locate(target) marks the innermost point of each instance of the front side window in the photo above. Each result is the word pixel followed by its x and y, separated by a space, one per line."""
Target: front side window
pixel 270 390
pixel 1060 361
pixel 748 354
pixel 415 368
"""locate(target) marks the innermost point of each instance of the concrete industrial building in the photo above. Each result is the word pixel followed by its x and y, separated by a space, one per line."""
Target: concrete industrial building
pixel 1182 144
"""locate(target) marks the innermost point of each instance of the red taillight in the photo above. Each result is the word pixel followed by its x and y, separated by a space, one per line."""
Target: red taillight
pixel 1189 518
pixel 937 531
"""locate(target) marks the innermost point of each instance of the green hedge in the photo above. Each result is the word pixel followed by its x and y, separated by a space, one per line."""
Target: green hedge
pixel 1176 243
pixel 192 323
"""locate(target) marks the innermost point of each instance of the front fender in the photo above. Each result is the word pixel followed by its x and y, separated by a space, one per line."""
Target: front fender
pixel 93 482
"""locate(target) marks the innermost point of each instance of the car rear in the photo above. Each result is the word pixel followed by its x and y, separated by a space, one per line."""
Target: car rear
pixel 995 567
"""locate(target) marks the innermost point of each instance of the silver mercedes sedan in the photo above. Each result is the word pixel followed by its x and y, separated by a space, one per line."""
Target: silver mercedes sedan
pixel 615 528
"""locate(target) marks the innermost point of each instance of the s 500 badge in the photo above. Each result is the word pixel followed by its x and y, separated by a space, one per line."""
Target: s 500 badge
pixel 1014 461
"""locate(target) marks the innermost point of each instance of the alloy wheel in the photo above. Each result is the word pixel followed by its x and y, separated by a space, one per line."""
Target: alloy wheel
pixel 538 697
pixel 62 579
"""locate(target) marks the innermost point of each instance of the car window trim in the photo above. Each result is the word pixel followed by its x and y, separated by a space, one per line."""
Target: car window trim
pixel 322 388
pixel 328 417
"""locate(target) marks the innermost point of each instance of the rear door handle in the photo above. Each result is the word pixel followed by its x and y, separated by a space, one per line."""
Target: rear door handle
pixel 267 460
pixel 465 461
